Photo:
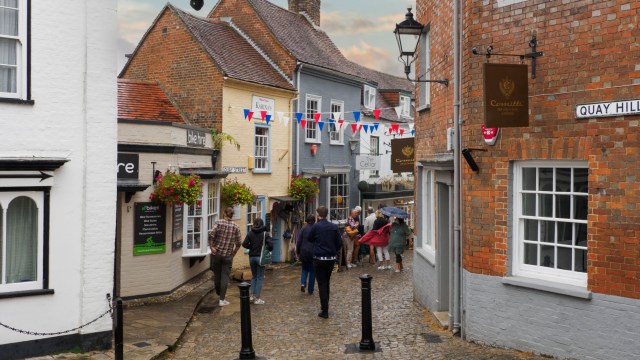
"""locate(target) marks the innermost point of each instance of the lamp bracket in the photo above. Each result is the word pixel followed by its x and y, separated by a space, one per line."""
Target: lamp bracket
pixel 475 149
pixel 444 81
pixel 533 55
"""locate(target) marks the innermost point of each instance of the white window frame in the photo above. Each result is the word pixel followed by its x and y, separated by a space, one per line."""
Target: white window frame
pixel 21 53
pixel 519 268
pixel 339 186
pixel 260 157
pixel 38 196
pixel 311 132
pixel 336 133
pixel 210 201
pixel 369 97
pixel 405 106
pixel 255 210
pixel 426 230
pixel 374 149
pixel 425 69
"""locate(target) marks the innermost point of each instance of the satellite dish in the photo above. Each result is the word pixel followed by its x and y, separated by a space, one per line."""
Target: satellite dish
pixel 197 4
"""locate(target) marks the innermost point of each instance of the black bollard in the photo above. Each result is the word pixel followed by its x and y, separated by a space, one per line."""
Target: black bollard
pixel 245 323
pixel 119 335
pixel 366 343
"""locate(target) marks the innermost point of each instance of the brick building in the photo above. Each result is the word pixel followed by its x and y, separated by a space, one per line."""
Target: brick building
pixel 550 234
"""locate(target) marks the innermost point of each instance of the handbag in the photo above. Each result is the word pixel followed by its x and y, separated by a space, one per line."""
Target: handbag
pixel 265 255
pixel 351 231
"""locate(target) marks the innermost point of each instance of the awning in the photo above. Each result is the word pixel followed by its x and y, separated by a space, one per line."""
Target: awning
pixel 131 185
pixel 31 163
pixel 204 173
pixel 284 198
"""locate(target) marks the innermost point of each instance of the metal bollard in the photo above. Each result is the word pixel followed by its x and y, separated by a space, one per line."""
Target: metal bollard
pixel 119 335
pixel 247 351
pixel 366 343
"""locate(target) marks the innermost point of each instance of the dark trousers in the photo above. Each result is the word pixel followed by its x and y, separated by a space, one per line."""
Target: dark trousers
pixel 221 270
pixel 323 268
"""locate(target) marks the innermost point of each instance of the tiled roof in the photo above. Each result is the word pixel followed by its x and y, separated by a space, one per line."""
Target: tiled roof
pixel 386 81
pixel 232 53
pixel 307 43
pixel 145 100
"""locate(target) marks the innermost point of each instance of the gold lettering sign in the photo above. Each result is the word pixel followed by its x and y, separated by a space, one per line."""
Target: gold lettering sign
pixel 506 95
pixel 402 155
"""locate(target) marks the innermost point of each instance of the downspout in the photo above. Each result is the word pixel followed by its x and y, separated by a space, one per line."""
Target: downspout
pixel 298 127
pixel 457 267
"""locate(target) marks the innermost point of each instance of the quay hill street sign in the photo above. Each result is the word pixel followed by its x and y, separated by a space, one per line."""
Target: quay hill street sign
pixel 506 95
pixel 604 109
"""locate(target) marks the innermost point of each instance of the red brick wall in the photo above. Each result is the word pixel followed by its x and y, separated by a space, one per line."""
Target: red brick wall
pixel 391 97
pixel 170 55
pixel 591 54
pixel 311 7
pixel 245 17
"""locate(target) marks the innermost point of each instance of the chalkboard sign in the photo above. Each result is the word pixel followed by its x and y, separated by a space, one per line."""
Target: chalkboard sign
pixel 149 228
pixel 178 220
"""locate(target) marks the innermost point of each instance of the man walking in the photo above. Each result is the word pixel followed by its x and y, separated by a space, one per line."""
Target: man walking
pixel 224 241
pixel 326 240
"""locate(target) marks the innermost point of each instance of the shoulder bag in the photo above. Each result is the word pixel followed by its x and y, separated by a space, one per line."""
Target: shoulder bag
pixel 265 255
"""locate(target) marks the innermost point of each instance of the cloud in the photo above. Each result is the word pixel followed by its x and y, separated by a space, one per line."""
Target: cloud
pixel 374 58
pixel 134 18
pixel 343 23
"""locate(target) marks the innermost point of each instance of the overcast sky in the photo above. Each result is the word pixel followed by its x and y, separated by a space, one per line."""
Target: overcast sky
pixel 362 29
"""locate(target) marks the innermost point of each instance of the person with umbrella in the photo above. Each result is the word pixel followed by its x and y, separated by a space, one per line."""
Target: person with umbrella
pixel 399 233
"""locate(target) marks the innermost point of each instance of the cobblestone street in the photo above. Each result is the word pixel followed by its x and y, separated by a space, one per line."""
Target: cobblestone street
pixel 287 326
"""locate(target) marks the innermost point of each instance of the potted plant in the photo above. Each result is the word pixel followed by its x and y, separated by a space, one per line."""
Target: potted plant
pixel 303 188
pixel 218 138
pixel 235 193
pixel 387 183
pixel 173 188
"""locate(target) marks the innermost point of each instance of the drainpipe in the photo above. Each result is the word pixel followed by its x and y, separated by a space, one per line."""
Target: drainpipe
pixel 292 119
pixel 457 266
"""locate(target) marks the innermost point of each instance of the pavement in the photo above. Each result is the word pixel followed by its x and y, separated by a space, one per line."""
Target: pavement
pixel 287 326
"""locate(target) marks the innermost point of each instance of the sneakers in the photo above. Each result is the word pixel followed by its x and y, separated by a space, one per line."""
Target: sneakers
pixel 397 270
pixel 381 267
pixel 349 266
pixel 223 303
pixel 251 299
pixel 388 267
pixel 258 302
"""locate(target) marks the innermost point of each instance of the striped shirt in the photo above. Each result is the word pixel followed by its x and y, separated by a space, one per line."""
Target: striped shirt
pixel 224 236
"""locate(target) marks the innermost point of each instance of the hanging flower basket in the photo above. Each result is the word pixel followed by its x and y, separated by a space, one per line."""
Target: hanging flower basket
pixel 303 188
pixel 235 193
pixel 173 188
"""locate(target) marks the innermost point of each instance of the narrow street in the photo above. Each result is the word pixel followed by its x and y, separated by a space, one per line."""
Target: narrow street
pixel 287 326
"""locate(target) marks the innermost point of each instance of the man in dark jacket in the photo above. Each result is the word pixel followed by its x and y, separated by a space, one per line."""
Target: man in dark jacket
pixel 326 240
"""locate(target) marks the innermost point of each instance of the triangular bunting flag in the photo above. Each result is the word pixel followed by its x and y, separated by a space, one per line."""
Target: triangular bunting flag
pixel 398 110
pixel 411 125
pixel 303 123
pixel 263 114
pixel 376 113
pixel 332 124
pixel 299 117
pixel 341 122
pixel 267 118
pixel 375 125
pixel 413 132
pixel 316 117
pixel 246 113
pixel 250 115
pixel 371 129
pixel 337 115
pixel 354 127
pixel 395 127
pixel 366 128
pixel 356 115
pixel 285 120
pixel 401 132
pixel 321 125
pixel 360 128
pixel 280 115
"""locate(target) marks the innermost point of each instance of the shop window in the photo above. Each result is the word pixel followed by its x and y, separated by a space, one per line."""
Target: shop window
pixel 339 197
pixel 426 229
pixel 200 217
pixel 550 221
pixel 13 48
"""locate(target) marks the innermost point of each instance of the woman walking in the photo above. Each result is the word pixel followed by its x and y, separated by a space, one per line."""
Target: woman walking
pixel 398 239
pixel 305 254
pixel 254 242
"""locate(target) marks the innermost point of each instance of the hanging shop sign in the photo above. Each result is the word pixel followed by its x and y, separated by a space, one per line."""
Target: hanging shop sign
pixel 490 135
pixel 196 138
pixel 402 155
pixel 178 221
pixel 149 228
pixel 605 109
pixel 128 166
pixel 506 95
pixel 367 162
pixel 259 104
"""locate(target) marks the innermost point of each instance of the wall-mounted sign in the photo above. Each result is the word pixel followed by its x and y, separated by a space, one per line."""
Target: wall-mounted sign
pixel 490 135
pixel 196 138
pixel 613 108
pixel 259 103
pixel 128 166
pixel 178 221
pixel 234 169
pixel 149 228
pixel 402 155
pixel 506 95
pixel 367 162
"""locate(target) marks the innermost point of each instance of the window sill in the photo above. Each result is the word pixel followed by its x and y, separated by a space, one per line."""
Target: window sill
pixel 197 254
pixel 16 101
pixel 552 287
pixel 337 143
pixel 423 107
pixel 261 172
pixel 428 256
pixel 307 141
pixel 15 294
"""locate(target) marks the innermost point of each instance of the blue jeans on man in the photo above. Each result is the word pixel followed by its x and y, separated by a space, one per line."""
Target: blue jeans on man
pixel 309 272
pixel 257 276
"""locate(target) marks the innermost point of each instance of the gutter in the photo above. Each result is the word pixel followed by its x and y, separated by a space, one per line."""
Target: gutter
pixel 297 111
pixel 457 198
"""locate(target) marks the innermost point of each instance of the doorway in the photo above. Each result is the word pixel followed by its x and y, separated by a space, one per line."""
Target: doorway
pixel 443 240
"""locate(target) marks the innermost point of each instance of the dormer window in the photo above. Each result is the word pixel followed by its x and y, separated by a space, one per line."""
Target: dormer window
pixel 405 106
pixel 369 99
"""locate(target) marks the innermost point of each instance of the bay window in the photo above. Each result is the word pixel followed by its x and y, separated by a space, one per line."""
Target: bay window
pixel 339 197
pixel 200 219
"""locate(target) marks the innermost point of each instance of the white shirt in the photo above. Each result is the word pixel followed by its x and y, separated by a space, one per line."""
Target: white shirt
pixel 368 222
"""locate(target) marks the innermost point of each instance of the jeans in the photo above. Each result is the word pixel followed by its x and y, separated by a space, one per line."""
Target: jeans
pixel 324 268
pixel 257 275
pixel 221 270
pixel 308 272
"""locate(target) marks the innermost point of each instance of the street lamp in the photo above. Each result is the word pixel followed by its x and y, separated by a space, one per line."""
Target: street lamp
pixel 408 35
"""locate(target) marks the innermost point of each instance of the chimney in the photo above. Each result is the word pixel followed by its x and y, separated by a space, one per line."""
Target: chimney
pixel 309 7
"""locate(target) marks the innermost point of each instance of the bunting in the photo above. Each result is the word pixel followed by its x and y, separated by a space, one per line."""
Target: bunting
pixel 320 125
pixel 354 127
pixel 248 114
pixel 316 117
pixel 285 121
pixel 398 110
pixel 337 115
pixel 341 122
pixel 299 117
pixel 280 116
pixel 356 115
pixel 263 115
pixel 303 123
pixel 376 113
pixel 366 128
pixel 267 118
pixel 401 132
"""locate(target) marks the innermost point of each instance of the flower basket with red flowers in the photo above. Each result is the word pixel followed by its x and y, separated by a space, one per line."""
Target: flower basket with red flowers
pixel 235 193
pixel 303 188
pixel 172 188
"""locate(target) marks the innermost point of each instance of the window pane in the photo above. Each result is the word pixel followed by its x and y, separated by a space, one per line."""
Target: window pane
pixel 563 206
pixel 531 230
pixel 546 256
pixel 1 244
pixel 529 204
pixel 563 179
pixel 546 205
pixel 580 211
pixel 8 65
pixel 529 179
pixel 564 258
pixel 547 231
pixel 546 179
pixel 581 235
pixel 580 180
pixel 581 261
pixel 22 240
pixel 565 233
pixel 531 254
pixel 9 18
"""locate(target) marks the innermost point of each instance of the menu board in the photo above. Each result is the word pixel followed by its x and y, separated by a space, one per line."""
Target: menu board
pixel 149 228
pixel 178 221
